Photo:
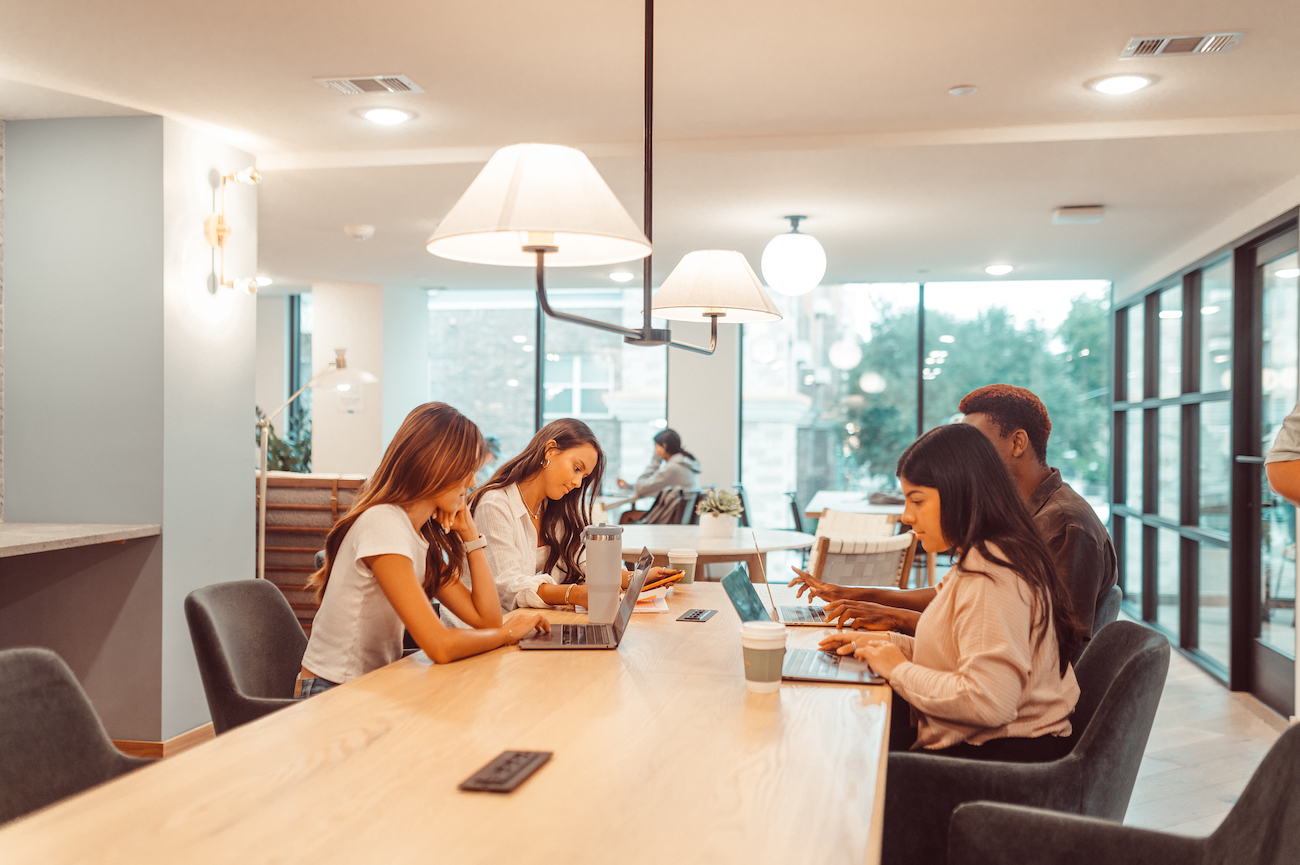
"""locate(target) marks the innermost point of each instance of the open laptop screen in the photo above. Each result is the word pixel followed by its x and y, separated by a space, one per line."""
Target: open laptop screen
pixel 744 597
pixel 639 574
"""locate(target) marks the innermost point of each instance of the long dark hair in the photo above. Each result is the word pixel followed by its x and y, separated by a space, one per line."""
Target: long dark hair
pixel 562 520
pixel 672 443
pixel 979 505
pixel 435 448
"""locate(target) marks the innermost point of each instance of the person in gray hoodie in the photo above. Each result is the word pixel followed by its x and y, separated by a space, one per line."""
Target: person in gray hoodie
pixel 671 466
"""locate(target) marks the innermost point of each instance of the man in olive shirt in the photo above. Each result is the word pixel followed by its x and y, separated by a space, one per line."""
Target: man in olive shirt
pixel 1016 422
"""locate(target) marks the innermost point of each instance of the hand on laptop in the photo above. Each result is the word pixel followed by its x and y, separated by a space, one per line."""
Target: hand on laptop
pixel 875 649
pixel 522 624
pixel 865 615
pixel 815 587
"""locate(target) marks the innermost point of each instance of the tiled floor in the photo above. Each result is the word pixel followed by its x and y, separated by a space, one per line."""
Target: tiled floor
pixel 1205 743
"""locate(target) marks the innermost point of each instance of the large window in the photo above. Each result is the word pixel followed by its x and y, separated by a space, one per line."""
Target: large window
pixel 837 390
pixel 616 389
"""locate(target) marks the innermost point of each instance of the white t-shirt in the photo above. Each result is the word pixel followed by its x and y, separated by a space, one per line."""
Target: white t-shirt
pixel 356 629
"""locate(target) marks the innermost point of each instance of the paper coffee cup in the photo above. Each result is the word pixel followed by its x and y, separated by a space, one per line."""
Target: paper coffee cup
pixel 684 561
pixel 763 644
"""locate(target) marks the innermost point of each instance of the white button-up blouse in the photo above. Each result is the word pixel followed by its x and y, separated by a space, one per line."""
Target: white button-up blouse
pixel 512 551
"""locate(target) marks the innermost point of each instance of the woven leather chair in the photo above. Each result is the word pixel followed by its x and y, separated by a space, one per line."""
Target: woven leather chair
pixel 1121 675
pixel 865 561
pixel 1263 828
pixel 249 647
pixel 52 744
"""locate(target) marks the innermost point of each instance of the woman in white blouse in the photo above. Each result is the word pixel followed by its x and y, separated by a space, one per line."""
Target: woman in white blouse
pixel 406 540
pixel 533 512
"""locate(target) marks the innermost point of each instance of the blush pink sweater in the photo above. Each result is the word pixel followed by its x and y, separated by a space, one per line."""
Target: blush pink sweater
pixel 973 672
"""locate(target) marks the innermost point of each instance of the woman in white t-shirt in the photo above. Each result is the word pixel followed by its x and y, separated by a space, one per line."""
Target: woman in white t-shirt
pixel 404 542
pixel 533 512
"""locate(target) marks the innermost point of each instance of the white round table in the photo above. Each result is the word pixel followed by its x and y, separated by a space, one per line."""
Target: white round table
pixel 745 545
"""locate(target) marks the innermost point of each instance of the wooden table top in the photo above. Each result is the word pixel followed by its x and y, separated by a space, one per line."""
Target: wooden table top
pixel 661 755
pixel 847 501
pixel 662 538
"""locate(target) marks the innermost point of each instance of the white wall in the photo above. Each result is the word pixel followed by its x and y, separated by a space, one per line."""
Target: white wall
pixel 348 437
pixel 704 400
pixel 208 384
pixel 272 354
pixel 406 355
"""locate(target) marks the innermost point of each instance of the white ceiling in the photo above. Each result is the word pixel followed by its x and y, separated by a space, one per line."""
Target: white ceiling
pixel 833 108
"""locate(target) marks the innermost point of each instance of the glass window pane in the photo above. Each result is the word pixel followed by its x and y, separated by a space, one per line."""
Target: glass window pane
pixel 1136 355
pixel 1133 460
pixel 1171 342
pixel 1170 419
pixel 1216 327
pixel 1277 536
pixel 829 395
pixel 493 326
pixel 1168 579
pixel 1216 465
pixel 618 390
pixel 1133 559
pixel 1212 632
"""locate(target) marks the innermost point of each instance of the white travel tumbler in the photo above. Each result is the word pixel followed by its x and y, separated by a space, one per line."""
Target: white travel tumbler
pixel 604 545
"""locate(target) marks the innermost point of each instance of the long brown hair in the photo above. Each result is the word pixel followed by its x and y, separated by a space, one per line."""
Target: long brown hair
pixel 563 520
pixel 979 505
pixel 435 448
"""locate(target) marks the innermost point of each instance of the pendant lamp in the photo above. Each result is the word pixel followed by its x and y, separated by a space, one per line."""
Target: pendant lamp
pixel 794 263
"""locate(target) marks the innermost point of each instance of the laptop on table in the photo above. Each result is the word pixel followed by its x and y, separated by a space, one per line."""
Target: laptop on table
pixel 804 665
pixel 597 636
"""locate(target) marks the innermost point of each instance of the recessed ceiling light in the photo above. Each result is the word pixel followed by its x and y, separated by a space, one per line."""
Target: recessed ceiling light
pixel 387 116
pixel 1118 85
pixel 1287 273
pixel 263 281
pixel 620 276
pixel 963 90
pixel 998 269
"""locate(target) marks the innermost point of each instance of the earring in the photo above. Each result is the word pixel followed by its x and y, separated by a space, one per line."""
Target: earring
pixel 545 463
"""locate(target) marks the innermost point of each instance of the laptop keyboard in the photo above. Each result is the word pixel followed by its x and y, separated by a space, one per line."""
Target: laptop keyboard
pixel 807 662
pixel 804 614
pixel 584 635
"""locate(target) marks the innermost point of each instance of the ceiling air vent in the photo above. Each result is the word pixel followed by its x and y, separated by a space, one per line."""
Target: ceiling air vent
pixel 1161 46
pixel 370 84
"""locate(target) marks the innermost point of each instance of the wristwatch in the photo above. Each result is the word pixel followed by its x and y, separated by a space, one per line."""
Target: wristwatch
pixel 477 544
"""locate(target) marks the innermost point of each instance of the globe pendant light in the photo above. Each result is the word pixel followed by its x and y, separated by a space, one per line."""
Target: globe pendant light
pixel 794 263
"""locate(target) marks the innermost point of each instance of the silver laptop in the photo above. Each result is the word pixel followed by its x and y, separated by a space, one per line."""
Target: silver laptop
pixel 809 614
pixel 597 636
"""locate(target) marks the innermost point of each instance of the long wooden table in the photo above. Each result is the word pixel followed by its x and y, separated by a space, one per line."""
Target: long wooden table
pixel 661 755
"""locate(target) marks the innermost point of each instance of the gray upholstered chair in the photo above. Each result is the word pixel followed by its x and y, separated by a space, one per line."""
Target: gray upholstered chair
pixel 1108 609
pixel 249 646
pixel 1120 676
pixel 52 743
pixel 1263 828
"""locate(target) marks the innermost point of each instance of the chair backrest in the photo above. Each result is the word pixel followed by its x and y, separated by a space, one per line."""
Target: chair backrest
pixel 796 511
pixel 667 508
pixel 845 525
pixel 249 648
pixel 689 499
pixel 1121 675
pixel 1263 827
pixel 52 743
pixel 1107 609
pixel 744 504
pixel 883 561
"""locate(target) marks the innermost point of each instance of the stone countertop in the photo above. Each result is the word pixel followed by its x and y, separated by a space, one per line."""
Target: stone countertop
pixel 18 539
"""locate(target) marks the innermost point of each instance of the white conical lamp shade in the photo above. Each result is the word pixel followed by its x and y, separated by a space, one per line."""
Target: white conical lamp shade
pixel 341 376
pixel 794 263
pixel 549 191
pixel 714 281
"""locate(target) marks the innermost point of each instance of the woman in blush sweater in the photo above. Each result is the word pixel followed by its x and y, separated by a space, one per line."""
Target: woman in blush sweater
pixel 988 674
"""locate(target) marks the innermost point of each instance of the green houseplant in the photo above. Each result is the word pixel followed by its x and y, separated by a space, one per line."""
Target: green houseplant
pixel 718 511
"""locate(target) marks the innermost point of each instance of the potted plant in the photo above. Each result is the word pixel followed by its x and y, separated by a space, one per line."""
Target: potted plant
pixel 718 511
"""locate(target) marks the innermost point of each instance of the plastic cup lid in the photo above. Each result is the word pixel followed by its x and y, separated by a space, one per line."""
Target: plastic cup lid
pixel 605 531
pixel 684 554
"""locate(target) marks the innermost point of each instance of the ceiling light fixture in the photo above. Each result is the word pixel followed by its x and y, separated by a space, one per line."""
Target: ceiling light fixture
pixel 794 263
pixel 388 116
pixel 218 231
pixel 1287 273
pixel 963 90
pixel 998 269
pixel 359 232
pixel 621 276
pixel 1119 85
pixel 534 204
pixel 263 281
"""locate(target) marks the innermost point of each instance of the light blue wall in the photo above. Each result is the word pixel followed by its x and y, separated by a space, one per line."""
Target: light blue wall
pixel 406 355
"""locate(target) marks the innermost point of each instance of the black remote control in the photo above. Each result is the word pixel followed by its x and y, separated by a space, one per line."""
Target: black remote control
pixel 696 615
pixel 506 772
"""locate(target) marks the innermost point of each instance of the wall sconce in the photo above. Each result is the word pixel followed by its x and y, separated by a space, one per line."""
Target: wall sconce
pixel 217 230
